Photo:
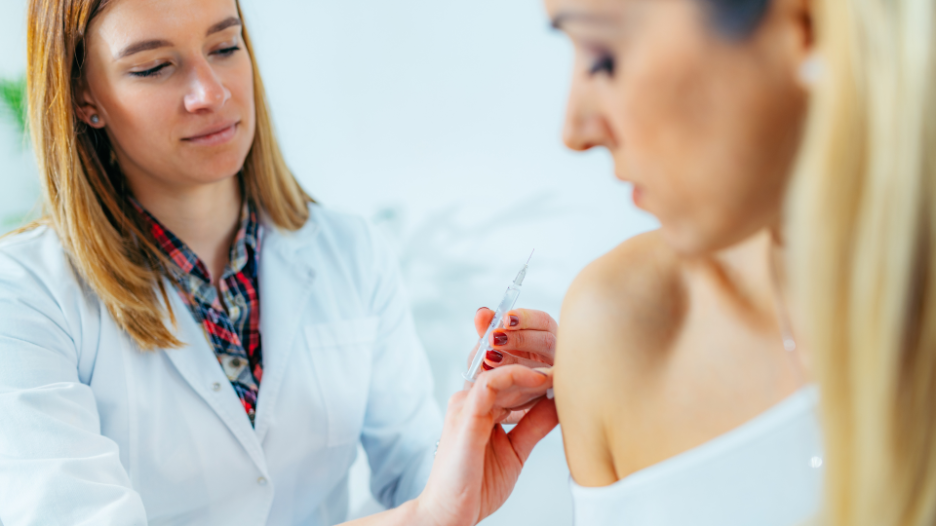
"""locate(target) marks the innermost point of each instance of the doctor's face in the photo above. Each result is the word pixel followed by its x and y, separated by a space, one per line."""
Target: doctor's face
pixel 704 125
pixel 172 84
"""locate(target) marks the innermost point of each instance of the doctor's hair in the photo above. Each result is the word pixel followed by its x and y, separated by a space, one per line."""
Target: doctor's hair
pixel 85 196
pixel 862 232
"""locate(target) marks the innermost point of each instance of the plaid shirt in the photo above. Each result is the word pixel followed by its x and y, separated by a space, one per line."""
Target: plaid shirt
pixel 234 332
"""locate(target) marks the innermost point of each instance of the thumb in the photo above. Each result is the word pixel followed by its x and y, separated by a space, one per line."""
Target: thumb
pixel 482 320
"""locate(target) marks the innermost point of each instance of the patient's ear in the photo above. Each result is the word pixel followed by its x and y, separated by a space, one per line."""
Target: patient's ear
pixel 799 18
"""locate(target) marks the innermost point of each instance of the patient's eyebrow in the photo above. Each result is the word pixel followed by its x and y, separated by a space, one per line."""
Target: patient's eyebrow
pixel 224 24
pixel 561 19
pixel 147 45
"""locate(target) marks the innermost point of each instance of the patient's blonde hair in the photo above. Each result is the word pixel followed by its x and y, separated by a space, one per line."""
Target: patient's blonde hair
pixel 84 197
pixel 863 234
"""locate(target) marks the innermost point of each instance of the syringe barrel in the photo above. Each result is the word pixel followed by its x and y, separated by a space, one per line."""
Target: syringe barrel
pixel 484 344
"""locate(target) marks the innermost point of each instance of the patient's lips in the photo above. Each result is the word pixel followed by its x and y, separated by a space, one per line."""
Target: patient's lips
pixel 637 194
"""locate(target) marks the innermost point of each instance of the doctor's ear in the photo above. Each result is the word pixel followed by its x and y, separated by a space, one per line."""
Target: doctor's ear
pixel 90 116
pixel 86 109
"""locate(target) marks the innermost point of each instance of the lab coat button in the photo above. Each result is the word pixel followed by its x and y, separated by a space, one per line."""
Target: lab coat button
pixel 262 481
pixel 216 386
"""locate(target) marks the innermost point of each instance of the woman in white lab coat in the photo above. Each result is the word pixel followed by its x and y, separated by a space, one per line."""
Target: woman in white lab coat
pixel 140 383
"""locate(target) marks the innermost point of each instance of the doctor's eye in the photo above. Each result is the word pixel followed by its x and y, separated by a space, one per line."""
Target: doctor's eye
pixel 228 51
pixel 603 65
pixel 152 72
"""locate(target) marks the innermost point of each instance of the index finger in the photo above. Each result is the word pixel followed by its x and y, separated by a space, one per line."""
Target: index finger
pixel 482 320
pixel 528 319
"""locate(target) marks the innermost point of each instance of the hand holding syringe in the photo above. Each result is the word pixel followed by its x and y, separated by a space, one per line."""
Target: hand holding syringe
pixel 506 304
pixel 528 338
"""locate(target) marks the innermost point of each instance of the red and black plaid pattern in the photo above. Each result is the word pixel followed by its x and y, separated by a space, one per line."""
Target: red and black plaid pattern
pixel 231 319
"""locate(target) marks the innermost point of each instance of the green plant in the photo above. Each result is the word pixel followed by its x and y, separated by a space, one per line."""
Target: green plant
pixel 13 96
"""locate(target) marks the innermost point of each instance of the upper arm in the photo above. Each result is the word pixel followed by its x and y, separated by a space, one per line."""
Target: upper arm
pixel 55 466
pixel 402 422
pixel 616 320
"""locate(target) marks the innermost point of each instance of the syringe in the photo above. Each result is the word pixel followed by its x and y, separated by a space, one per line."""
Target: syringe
pixel 505 306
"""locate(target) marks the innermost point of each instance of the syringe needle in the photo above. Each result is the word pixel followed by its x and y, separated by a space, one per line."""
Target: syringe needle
pixel 506 304
pixel 531 256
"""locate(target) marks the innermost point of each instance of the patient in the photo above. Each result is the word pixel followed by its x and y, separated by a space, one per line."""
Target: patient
pixel 679 397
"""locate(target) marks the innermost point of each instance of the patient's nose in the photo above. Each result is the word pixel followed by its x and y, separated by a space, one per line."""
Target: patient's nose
pixel 585 126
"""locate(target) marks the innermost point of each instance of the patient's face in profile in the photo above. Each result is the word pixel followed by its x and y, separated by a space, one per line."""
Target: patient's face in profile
pixel 172 84
pixel 704 124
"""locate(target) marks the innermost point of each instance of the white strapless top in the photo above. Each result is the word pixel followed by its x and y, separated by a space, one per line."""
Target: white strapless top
pixel 767 472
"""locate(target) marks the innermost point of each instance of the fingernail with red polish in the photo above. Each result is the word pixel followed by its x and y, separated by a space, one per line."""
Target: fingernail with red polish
pixel 500 338
pixel 480 309
pixel 513 321
pixel 486 367
pixel 494 356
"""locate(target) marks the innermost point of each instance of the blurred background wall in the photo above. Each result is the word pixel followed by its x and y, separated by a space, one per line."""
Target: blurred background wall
pixel 441 122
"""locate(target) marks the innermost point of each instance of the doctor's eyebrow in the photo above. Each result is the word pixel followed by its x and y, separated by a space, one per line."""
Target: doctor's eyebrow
pixel 224 24
pixel 147 45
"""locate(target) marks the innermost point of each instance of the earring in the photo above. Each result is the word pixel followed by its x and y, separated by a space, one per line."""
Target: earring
pixel 95 119
pixel 811 70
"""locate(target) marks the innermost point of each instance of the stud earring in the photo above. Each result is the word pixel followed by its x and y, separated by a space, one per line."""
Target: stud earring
pixel 95 119
pixel 811 70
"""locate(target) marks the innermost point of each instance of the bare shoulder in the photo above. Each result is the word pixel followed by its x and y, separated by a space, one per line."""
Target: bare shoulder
pixel 618 319
pixel 635 290
pixel 625 304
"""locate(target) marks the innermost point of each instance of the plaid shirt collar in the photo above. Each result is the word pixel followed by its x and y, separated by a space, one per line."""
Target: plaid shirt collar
pixel 229 314
pixel 186 264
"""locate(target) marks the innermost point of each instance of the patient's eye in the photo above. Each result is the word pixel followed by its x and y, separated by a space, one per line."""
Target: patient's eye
pixel 603 65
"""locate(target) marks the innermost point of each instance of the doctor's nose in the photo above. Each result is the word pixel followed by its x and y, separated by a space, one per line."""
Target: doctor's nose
pixel 205 92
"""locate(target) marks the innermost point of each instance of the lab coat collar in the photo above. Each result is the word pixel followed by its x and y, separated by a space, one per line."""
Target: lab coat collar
pixel 286 279
pixel 285 287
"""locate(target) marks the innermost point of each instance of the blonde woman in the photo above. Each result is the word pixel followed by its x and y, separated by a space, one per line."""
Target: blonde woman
pixel 681 397
pixel 187 338
pixel 862 221
pixel 641 437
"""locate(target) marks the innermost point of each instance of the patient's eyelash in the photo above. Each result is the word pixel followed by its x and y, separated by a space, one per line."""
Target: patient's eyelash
pixel 152 72
pixel 604 64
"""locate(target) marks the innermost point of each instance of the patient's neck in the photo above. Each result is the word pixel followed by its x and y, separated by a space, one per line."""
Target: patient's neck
pixel 745 270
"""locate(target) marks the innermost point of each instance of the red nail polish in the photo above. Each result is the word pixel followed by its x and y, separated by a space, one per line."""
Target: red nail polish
pixel 494 356
pixel 514 320
pixel 486 367
pixel 500 338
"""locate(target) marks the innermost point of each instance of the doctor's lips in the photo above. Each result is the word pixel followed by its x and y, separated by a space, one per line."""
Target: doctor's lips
pixel 217 134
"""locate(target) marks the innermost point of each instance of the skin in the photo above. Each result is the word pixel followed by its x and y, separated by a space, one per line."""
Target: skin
pixel 673 337
pixel 462 490
pixel 180 114
pixel 157 123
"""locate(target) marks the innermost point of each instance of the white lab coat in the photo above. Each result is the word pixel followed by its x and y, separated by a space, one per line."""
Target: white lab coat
pixel 94 431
